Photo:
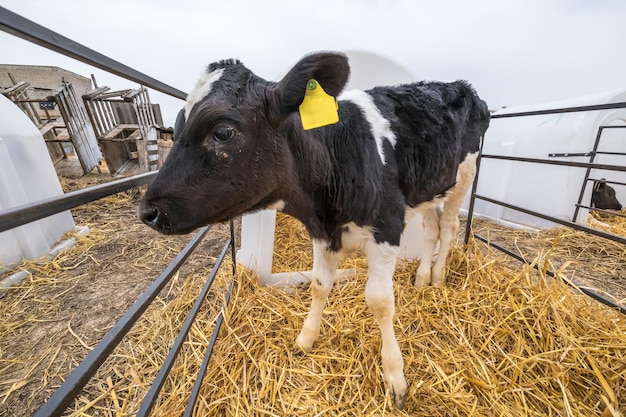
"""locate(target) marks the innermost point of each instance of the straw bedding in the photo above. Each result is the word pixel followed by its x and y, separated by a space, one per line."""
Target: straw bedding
pixel 588 260
pixel 499 339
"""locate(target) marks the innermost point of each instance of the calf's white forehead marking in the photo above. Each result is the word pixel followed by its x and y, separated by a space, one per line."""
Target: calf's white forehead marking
pixel 380 127
pixel 202 89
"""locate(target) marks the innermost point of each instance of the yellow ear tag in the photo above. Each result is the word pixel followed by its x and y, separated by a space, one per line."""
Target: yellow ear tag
pixel 318 108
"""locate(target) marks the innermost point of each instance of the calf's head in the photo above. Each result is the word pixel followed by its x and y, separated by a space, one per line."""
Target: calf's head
pixel 230 152
pixel 603 196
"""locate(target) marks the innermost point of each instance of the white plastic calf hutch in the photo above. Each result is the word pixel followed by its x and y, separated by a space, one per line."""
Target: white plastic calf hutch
pixel 257 230
pixel 26 175
pixel 549 189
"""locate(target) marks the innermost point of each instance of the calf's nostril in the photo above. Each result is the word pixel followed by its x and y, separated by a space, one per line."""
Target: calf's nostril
pixel 149 214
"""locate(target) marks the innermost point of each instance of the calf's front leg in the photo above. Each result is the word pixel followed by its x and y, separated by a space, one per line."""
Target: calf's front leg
pixel 381 259
pixel 325 264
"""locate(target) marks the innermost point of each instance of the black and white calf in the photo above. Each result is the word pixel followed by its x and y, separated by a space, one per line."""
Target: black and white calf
pixel 240 147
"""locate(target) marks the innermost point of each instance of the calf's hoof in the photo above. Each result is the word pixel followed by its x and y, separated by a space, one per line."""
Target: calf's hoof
pixel 422 280
pixel 398 395
pixel 438 278
pixel 304 344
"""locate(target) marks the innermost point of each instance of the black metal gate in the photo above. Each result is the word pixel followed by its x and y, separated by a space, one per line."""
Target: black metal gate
pixel 571 224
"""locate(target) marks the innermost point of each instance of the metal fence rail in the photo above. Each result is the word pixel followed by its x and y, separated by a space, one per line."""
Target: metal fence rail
pixel 27 29
pixel 592 156
pixel 20 215
pixel 72 386
pixel 153 393
pixel 593 294
pixel 588 165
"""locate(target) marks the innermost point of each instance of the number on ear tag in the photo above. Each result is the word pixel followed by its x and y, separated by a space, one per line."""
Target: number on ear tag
pixel 318 108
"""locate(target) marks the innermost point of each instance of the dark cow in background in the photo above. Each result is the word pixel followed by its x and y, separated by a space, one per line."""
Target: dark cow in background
pixel 603 196
pixel 240 146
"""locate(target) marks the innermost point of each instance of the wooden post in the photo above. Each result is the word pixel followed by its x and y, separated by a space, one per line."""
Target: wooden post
pixel 164 149
pixel 142 155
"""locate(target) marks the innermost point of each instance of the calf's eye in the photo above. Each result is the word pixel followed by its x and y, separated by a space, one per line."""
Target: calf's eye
pixel 223 133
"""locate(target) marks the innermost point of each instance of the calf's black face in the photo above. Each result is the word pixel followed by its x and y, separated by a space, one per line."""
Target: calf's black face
pixel 230 153
pixel 603 197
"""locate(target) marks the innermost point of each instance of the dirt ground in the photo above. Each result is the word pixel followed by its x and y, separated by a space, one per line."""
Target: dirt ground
pixel 68 304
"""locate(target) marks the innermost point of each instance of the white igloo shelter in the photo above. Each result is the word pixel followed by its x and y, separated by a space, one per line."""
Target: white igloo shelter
pixel 26 175
pixel 550 189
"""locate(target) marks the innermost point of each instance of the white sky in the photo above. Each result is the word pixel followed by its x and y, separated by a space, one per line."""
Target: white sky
pixel 514 52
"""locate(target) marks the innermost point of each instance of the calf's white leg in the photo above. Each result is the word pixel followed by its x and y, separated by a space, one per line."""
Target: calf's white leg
pixel 449 220
pixel 430 223
pixel 325 264
pixel 449 226
pixel 381 259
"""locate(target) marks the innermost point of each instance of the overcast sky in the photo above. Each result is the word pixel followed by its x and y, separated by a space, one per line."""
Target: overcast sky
pixel 514 52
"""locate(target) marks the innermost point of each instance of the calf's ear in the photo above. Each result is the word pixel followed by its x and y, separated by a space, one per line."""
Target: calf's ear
pixel 330 69
pixel 179 125
pixel 597 186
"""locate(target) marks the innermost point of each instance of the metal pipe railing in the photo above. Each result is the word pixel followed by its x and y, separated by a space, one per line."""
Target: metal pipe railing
pixel 587 291
pixel 571 225
pixel 573 109
pixel 560 163
pixel 27 213
pixel 592 156
pixel 588 165
pixel 157 384
pixel 195 392
pixel 27 29
pixel 75 382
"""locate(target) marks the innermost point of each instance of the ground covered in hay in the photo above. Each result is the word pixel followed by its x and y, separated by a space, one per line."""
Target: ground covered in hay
pixel 493 341
pixel 586 260
pixel 500 339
